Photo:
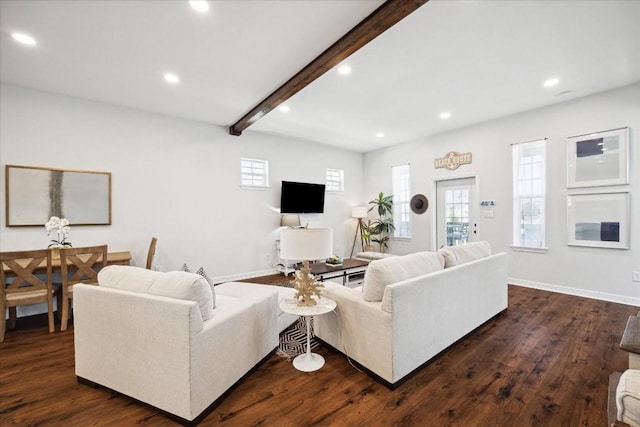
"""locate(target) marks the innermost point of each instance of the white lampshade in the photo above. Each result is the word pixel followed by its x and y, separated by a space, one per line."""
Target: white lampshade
pixel 359 212
pixel 306 244
pixel 289 220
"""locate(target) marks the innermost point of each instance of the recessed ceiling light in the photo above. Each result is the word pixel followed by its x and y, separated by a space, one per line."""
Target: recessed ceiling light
pixel 551 82
pixel 445 115
pixel 24 39
pixel 344 69
pixel 201 6
pixel 284 108
pixel 380 135
pixel 171 78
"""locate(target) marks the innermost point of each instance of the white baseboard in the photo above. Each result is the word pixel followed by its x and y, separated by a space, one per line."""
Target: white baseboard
pixel 242 276
pixel 621 299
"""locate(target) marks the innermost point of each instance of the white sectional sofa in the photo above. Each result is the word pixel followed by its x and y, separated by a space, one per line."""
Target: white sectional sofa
pixel 411 308
pixel 157 337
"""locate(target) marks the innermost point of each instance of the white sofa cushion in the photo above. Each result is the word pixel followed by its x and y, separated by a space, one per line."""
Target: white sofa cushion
pixel 456 255
pixel 239 289
pixel 370 256
pixel 174 284
pixel 386 271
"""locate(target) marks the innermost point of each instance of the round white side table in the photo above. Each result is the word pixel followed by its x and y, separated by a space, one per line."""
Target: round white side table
pixel 308 362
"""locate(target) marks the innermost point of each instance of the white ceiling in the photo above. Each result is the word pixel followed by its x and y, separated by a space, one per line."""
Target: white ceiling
pixel 478 59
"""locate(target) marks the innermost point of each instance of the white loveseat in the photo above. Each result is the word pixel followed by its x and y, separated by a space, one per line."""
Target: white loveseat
pixel 157 337
pixel 411 308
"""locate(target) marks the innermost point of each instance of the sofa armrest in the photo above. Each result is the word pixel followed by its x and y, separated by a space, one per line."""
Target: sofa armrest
pixel 135 343
pixel 361 324
pixel 628 397
pixel 242 332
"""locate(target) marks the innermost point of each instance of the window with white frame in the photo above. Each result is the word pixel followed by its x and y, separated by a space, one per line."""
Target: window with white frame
pixel 335 180
pixel 401 183
pixel 254 173
pixel 529 185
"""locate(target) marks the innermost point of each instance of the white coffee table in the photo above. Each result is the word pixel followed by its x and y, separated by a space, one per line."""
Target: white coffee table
pixel 308 362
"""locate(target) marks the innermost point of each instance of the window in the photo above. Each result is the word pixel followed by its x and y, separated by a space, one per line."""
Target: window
pixel 335 180
pixel 401 178
pixel 254 173
pixel 529 194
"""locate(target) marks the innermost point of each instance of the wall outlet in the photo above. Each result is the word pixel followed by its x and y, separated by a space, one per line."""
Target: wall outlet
pixel 635 276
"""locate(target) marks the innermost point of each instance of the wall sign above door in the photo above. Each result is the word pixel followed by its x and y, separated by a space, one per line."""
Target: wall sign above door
pixel 452 160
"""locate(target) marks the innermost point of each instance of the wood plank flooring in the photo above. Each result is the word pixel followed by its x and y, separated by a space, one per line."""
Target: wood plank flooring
pixel 545 362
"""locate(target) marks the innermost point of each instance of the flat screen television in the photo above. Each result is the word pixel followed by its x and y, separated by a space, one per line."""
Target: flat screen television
pixel 301 197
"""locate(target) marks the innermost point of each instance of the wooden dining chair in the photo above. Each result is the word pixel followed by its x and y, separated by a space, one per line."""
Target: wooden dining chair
pixel 79 265
pixel 151 253
pixel 26 287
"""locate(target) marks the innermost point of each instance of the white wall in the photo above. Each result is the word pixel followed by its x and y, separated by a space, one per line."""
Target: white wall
pixel 601 273
pixel 174 179
pixel 178 180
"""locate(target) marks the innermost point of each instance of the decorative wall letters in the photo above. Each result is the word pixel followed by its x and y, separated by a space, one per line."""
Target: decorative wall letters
pixel 452 160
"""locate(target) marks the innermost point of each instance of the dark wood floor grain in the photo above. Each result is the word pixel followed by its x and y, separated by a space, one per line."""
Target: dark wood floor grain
pixel 545 362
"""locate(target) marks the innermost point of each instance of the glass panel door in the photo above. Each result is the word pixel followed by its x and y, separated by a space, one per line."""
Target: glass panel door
pixel 455 209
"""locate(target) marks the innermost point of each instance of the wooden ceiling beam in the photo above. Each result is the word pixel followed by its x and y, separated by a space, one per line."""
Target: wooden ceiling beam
pixel 384 17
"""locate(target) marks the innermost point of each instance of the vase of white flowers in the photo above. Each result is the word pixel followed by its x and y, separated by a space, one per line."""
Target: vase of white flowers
pixel 62 229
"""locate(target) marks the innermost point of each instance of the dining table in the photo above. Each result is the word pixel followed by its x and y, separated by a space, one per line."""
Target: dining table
pixel 113 258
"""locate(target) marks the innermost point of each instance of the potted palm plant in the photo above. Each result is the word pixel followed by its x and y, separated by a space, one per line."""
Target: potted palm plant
pixel 380 229
pixel 367 229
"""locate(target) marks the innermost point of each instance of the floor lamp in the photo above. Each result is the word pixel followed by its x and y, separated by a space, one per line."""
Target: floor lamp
pixel 358 212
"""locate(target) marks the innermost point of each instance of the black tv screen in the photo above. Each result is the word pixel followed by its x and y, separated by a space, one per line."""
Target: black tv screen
pixel 301 197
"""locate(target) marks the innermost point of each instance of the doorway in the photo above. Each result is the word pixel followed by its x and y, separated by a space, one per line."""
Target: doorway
pixel 456 210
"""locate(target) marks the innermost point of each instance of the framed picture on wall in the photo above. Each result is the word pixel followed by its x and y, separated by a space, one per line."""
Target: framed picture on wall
pixel 34 194
pixel 598 159
pixel 598 220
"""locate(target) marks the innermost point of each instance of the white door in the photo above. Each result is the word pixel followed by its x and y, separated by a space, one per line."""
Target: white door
pixel 456 210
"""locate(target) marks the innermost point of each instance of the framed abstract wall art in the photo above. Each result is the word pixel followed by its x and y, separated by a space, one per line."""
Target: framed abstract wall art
pixel 598 159
pixel 34 194
pixel 598 220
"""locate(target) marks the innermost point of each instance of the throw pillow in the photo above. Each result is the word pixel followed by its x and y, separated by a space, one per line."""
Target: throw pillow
pixel 456 255
pixel 210 282
pixel 174 284
pixel 386 271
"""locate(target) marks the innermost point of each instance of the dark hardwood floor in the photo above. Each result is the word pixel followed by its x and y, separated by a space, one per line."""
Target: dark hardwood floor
pixel 545 362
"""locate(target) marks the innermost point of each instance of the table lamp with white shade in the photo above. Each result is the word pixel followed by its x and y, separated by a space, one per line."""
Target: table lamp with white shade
pixel 290 220
pixel 306 244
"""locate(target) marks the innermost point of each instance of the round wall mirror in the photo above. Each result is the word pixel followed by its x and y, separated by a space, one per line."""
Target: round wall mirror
pixel 419 204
